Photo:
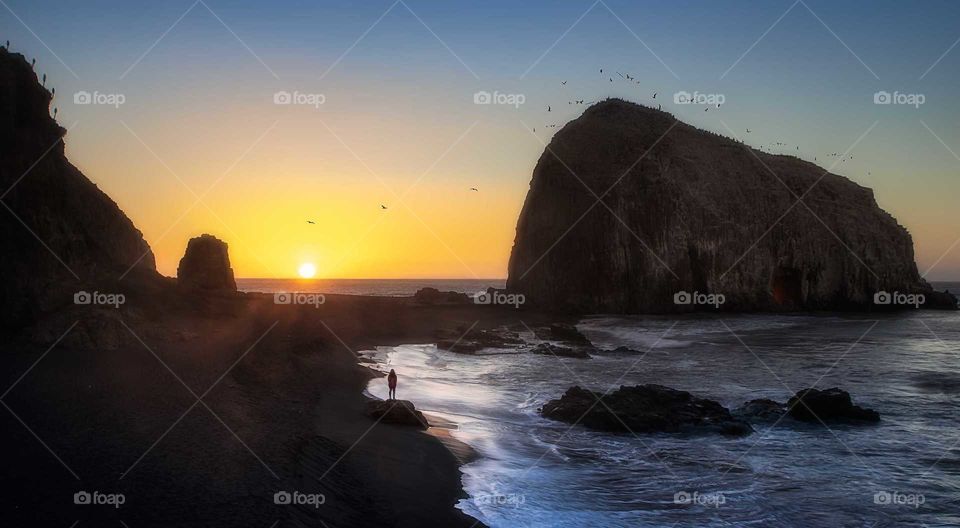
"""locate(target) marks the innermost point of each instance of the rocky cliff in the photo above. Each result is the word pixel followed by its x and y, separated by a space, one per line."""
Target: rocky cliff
pixel 684 210
pixel 61 233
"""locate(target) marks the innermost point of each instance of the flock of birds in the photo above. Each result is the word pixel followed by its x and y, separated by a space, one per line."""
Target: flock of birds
pixel 626 77
pixel 769 147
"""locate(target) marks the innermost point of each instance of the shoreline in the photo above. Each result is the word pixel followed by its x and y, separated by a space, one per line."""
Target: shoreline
pixel 440 428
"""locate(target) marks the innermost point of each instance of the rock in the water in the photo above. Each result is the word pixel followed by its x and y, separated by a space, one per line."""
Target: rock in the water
pixel 61 234
pixel 397 412
pixel 468 342
pixel 568 333
pixel 430 295
pixel 622 350
pixel 686 210
pixel 760 409
pixel 561 351
pixel 828 405
pixel 644 409
pixel 205 266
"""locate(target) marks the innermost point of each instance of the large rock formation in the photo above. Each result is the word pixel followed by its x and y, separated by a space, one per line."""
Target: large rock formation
pixel 812 405
pixel 61 233
pixel 205 265
pixel 684 210
pixel 809 405
pixel 397 412
pixel 644 409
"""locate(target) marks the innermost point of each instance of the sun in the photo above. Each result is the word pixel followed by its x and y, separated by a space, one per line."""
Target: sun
pixel 307 270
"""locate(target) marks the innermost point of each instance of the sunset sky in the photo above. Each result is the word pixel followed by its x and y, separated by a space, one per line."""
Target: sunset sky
pixel 199 144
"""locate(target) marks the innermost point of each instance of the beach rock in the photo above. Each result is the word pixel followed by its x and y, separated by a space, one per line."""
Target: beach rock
pixel 396 412
pixel 760 410
pixel 691 214
pixel 828 405
pixel 644 409
pixel 61 234
pixel 430 295
pixel 561 351
pixel 205 266
pixel 467 341
pixel 568 333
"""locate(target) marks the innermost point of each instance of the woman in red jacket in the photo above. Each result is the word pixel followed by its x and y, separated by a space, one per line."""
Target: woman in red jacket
pixel 392 383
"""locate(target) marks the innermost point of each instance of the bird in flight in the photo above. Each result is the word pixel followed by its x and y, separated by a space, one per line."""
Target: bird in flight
pixel 474 189
pixel 748 131
pixel 655 94
pixel 548 108
pixel 564 83
pixel 311 222
pixel 384 207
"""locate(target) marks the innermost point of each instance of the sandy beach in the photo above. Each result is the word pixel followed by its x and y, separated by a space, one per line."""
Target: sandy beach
pixel 281 410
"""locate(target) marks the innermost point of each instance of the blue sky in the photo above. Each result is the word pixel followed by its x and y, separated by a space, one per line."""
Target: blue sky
pixel 803 73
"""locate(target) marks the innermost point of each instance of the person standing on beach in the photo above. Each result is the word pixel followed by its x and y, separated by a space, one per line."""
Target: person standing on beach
pixel 392 383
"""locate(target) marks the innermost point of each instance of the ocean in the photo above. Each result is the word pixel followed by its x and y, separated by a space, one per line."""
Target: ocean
pixel 904 471
pixel 383 287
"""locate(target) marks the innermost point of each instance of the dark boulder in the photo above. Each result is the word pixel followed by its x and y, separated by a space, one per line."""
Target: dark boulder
pixel 430 295
pixel 688 215
pixel 396 412
pixel 561 351
pixel 467 341
pixel 568 333
pixel 760 410
pixel 831 405
pixel 205 266
pixel 644 409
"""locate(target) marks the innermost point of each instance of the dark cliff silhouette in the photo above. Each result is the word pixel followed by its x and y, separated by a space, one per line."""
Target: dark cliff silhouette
pixel 62 234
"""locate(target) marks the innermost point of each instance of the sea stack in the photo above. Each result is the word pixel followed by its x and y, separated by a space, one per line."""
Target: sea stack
pixel 205 266
pixel 688 219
